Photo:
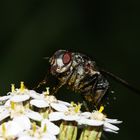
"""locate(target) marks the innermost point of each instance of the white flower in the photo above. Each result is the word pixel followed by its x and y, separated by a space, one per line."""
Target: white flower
pixel 4 114
pixel 21 94
pixel 28 137
pixel 99 119
pixel 23 121
pixel 70 114
pixel 18 110
pixel 47 131
pixel 56 116
pixel 50 127
pixel 49 101
pixel 33 115
pixel 33 94
pixel 20 98
pixel 39 103
pixel 14 127
pixel 20 122
pixel 65 103
pixel 4 98
pixel 59 106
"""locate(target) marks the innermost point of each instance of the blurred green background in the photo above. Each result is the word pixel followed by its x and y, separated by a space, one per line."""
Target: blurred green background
pixel 108 31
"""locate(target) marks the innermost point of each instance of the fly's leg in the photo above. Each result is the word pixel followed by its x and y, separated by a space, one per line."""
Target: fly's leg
pixel 88 103
pixel 86 90
pixel 56 88
pixel 95 92
pixel 43 82
pixel 99 94
pixel 100 90
pixel 63 81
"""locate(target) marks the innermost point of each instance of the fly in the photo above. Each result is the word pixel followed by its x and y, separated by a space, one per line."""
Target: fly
pixel 80 73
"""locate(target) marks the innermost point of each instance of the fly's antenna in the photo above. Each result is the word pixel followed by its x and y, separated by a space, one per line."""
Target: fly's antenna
pixel 124 82
pixel 46 58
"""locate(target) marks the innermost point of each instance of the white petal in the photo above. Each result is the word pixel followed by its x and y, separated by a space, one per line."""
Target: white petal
pixel 34 94
pixel 39 103
pixel 110 126
pixel 86 114
pixel 7 103
pixel 4 98
pixel 34 115
pixel 25 91
pixel 90 122
pixel 19 98
pixel 59 107
pixel 23 121
pixel 65 103
pixel 55 116
pixel 109 130
pixel 71 117
pixel 27 138
pixel 13 129
pixel 113 121
pixel 5 114
pixel 48 137
pixel 51 128
pixel 2 108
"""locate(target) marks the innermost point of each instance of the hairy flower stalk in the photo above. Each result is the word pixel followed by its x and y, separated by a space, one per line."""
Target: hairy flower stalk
pixel 68 131
pixel 91 133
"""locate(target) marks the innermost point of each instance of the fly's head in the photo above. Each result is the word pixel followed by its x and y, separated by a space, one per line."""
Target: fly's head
pixel 60 62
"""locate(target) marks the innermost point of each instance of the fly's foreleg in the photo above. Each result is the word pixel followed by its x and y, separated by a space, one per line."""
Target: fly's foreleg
pixel 43 82
pixel 100 90
pixel 56 88
pixel 62 81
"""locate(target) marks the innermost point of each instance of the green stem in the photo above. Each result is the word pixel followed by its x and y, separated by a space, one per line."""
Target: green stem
pixel 68 131
pixel 91 133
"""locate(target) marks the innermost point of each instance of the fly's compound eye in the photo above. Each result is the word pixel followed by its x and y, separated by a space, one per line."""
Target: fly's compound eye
pixel 66 58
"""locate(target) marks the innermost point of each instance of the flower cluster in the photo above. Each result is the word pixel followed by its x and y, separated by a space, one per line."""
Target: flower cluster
pixel 28 115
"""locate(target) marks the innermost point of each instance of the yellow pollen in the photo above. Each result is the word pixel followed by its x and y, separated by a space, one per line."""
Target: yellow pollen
pixel 3 129
pixel 77 108
pixel 22 86
pixel 47 91
pixel 12 87
pixel 34 127
pixel 45 115
pixel 45 128
pixel 101 109
pixel 73 104
pixel 12 105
